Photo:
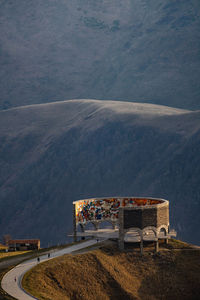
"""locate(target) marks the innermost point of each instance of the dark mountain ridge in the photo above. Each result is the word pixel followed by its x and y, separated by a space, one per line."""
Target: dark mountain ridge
pixel 52 154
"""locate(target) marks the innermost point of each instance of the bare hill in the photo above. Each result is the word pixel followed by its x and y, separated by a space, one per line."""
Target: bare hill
pixel 119 49
pixel 52 154
pixel 109 274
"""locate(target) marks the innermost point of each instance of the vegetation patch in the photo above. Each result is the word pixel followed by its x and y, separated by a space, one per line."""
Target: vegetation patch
pixel 2 247
pixel 176 244
pixel 94 23
pixel 107 273
pixel 11 254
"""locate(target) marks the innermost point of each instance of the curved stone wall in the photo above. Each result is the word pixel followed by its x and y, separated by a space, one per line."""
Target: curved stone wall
pixel 97 210
pixel 134 216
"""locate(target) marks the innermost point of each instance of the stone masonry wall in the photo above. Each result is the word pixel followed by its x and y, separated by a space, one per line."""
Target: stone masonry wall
pixel 163 215
pixel 142 217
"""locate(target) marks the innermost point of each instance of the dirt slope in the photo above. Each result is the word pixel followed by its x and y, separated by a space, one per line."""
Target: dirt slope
pixel 109 274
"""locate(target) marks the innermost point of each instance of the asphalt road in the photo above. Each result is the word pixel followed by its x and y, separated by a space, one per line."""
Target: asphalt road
pixel 11 282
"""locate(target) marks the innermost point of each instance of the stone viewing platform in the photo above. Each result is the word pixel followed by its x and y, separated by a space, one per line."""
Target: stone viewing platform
pixel 130 219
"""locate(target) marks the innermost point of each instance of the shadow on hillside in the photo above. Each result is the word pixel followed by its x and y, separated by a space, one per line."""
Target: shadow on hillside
pixel 175 276
pixel 112 286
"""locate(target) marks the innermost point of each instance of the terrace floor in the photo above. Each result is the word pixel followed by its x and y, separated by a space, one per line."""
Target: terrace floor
pixel 130 236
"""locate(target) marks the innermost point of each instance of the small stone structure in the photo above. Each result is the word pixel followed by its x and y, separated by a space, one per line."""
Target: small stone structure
pixel 148 218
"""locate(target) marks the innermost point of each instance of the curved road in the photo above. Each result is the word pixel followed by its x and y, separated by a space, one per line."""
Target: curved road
pixel 11 282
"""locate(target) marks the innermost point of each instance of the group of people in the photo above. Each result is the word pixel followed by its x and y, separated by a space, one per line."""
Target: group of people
pixel 38 258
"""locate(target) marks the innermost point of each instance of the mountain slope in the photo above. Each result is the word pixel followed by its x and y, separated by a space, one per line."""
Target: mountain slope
pixel 52 154
pixel 109 274
pixel 119 49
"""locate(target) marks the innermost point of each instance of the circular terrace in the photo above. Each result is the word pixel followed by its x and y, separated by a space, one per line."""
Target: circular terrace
pixel 99 210
pixel 127 219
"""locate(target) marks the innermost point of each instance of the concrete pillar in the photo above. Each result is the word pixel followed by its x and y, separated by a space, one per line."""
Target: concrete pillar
pixel 96 225
pixel 74 222
pixel 157 246
pixel 121 229
pixel 141 246
pixel 121 245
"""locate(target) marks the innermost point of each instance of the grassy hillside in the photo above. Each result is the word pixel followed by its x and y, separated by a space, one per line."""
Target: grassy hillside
pixel 53 154
pixel 10 254
pixel 2 247
pixel 119 49
pixel 109 274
